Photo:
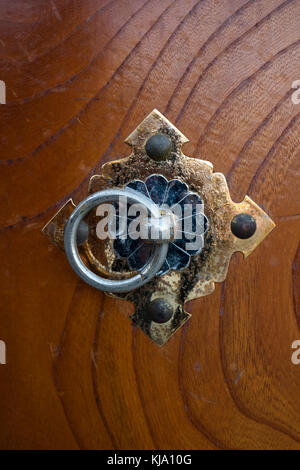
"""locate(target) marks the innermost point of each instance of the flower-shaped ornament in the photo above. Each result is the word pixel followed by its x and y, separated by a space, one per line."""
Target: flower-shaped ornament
pixel 191 224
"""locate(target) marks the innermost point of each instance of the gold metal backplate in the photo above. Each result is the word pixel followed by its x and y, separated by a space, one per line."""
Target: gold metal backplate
pixel 210 266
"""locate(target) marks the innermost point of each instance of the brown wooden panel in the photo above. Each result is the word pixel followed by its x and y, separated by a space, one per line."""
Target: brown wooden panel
pixel 80 76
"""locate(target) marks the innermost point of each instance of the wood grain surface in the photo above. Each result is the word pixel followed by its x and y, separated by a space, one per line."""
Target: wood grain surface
pixel 80 76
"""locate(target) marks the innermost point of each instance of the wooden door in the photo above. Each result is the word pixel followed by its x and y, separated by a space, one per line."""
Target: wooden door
pixel 80 75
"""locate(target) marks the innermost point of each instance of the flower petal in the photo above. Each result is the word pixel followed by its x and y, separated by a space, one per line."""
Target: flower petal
pixel 177 258
pixel 139 186
pixel 140 256
pixel 193 201
pixel 157 187
pixel 196 242
pixel 203 224
pixel 164 269
pixel 175 192
pixel 124 247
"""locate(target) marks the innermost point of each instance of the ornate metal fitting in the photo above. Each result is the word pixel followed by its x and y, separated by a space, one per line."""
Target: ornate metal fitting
pixel 168 274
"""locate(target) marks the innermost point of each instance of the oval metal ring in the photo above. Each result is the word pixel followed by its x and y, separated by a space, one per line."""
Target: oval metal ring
pixel 70 242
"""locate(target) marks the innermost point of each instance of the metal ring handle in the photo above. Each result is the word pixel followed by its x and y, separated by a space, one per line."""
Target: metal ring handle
pixel 70 242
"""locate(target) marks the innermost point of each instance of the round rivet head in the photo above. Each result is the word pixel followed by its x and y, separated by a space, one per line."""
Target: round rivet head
pixel 243 226
pixel 158 147
pixel 159 311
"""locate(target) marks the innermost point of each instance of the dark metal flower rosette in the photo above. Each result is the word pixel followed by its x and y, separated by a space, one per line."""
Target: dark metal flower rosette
pixel 158 169
pixel 171 195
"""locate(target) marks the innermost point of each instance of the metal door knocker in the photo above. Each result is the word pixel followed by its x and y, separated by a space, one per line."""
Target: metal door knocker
pixel 157 229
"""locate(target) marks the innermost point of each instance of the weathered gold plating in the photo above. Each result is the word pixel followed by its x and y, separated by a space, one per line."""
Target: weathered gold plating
pixel 210 266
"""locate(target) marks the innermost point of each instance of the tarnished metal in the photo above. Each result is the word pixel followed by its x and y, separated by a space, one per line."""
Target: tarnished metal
pixel 210 266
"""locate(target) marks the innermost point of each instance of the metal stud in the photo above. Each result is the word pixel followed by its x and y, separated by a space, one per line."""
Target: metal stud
pixel 159 311
pixel 158 147
pixel 243 226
